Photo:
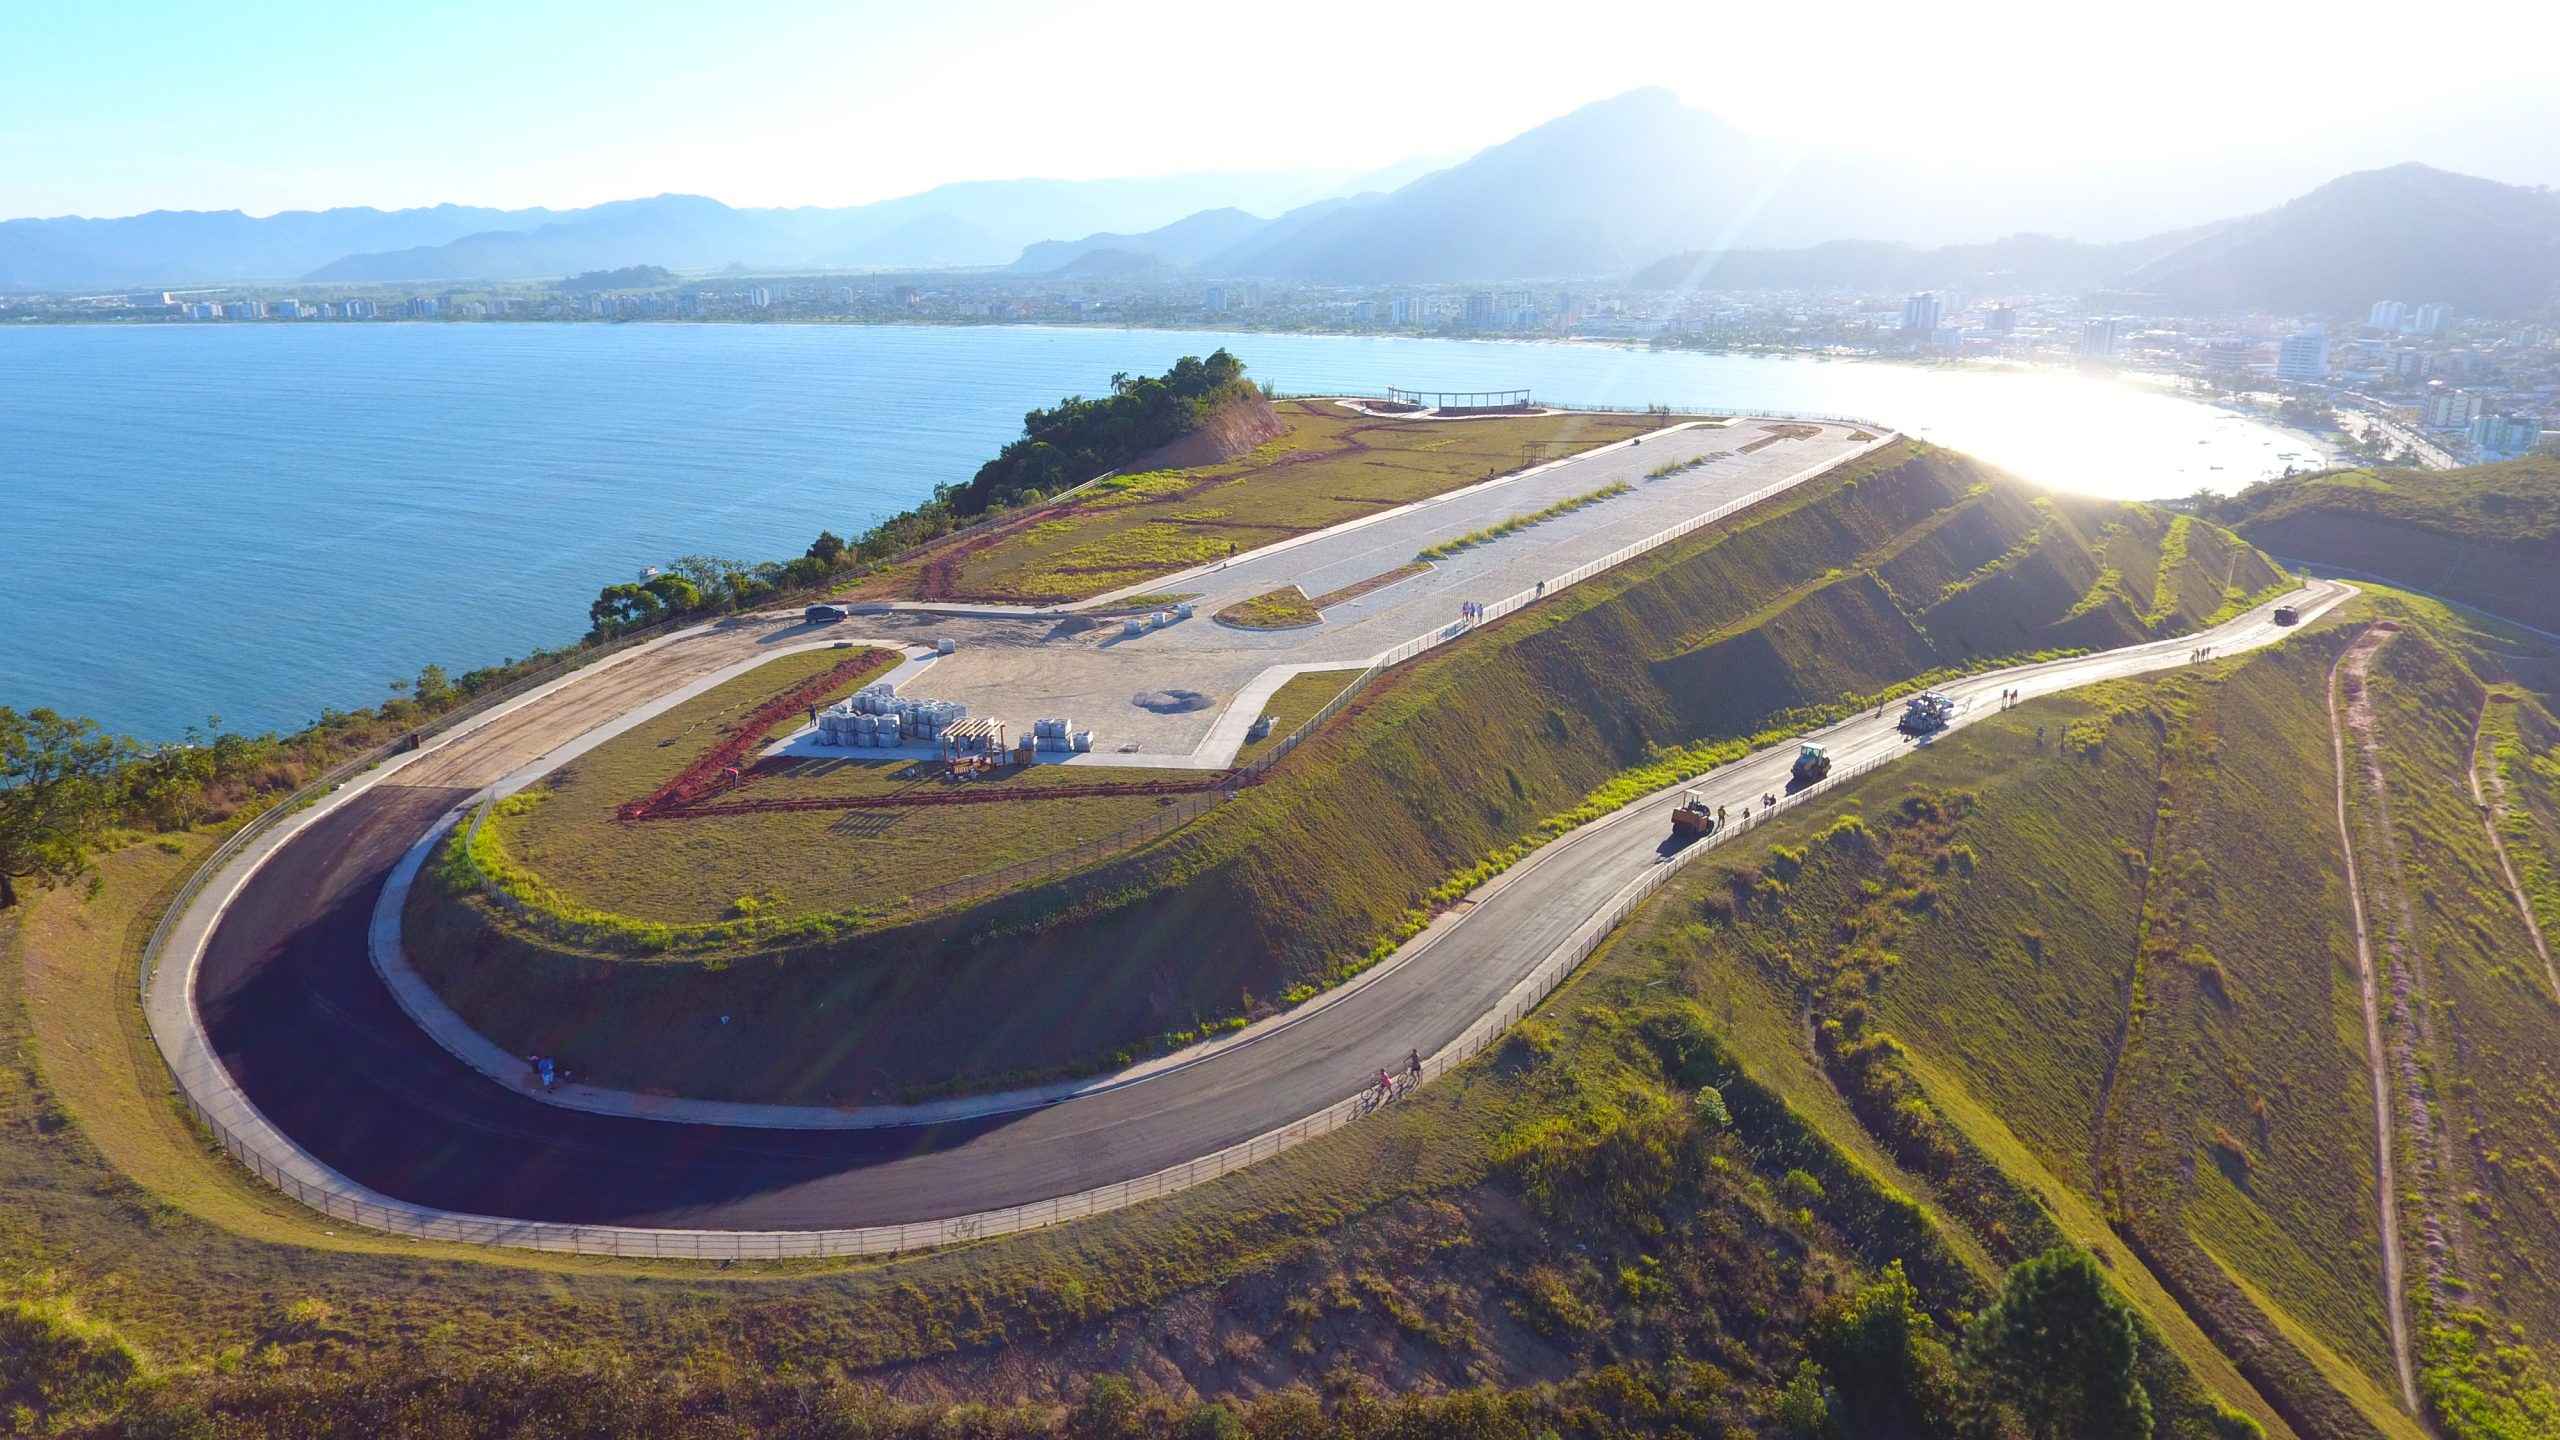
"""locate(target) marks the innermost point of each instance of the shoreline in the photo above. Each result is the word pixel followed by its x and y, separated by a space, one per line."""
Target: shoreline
pixel 327 638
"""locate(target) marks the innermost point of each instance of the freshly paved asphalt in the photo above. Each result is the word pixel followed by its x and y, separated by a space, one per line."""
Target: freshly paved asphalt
pixel 300 1019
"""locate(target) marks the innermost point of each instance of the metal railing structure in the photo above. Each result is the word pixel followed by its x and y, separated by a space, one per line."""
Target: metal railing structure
pixel 348 1202
pixel 312 790
pixel 1391 396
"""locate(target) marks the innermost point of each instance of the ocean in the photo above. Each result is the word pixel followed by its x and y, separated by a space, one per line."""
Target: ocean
pixel 257 522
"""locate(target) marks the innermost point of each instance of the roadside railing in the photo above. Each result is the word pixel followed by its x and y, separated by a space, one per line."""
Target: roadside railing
pixel 418 1222
pixel 312 790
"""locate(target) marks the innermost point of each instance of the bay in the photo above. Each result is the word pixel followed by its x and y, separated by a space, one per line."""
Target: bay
pixel 260 521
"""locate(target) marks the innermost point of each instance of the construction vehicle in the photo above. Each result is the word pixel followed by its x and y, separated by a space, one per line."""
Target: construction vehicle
pixel 1812 763
pixel 2287 615
pixel 1927 713
pixel 1695 817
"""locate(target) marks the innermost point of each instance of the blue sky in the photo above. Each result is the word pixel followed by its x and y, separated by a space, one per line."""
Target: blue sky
pixel 110 108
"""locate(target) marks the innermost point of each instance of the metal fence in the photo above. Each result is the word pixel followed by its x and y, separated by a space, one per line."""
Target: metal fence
pixel 361 1207
pixel 1667 411
pixel 319 786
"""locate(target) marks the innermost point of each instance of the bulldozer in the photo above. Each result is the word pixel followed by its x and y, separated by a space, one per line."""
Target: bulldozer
pixel 1695 818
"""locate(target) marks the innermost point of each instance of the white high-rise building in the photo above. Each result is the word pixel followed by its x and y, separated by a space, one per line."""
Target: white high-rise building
pixel 2430 318
pixel 2303 356
pixel 2098 338
pixel 1920 314
pixel 2451 409
pixel 2386 315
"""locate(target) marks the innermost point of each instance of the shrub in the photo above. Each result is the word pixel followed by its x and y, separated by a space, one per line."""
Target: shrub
pixel 56 1361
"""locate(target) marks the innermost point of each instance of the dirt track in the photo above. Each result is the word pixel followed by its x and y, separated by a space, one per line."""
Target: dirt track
pixel 612 687
pixel 2355 666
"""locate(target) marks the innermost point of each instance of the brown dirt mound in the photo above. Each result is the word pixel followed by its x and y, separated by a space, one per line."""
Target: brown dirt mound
pixel 1232 429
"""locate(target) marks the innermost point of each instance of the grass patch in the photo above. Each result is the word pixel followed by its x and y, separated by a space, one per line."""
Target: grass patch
pixel 1294 703
pixel 1516 523
pixel 705 882
pixel 1287 608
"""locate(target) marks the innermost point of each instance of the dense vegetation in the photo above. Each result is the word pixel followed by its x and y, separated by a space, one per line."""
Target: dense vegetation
pixel 629 277
pixel 1076 439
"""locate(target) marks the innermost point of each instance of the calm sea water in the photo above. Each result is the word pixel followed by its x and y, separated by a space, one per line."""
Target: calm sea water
pixel 257 522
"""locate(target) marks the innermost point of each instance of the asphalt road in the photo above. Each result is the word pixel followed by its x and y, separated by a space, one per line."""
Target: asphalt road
pixel 297 1015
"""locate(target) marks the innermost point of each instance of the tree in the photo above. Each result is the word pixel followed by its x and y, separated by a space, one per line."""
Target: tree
pixel 826 548
pixel 168 784
pixel 434 690
pixel 624 607
pixel 1890 1373
pixel 61 780
pixel 2061 1348
pixel 708 574
pixel 676 594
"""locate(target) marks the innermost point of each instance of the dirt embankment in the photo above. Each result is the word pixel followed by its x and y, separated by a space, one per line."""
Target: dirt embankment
pixel 1234 428
pixel 2509 579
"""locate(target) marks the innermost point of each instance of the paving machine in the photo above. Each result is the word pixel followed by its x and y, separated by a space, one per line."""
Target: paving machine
pixel 1927 713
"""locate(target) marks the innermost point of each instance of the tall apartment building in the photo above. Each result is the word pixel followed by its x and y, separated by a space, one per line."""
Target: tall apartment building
pixel 1920 314
pixel 2098 338
pixel 2450 409
pixel 2303 356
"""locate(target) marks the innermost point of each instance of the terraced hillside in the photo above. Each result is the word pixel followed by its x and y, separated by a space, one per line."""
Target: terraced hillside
pixel 2090 968
pixel 1910 561
pixel 2488 535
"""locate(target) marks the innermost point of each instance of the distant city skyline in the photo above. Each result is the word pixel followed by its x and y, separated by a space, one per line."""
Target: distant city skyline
pixel 119 110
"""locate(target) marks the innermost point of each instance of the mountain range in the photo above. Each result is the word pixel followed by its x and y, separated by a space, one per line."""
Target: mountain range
pixel 1644 190
pixel 2483 247
pixel 1637 189
pixel 965 224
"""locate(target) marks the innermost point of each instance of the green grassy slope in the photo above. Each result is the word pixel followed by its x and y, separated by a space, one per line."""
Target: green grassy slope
pixel 2482 1017
pixel 2114 972
pixel 1558 1234
pixel 1836 591
pixel 2487 535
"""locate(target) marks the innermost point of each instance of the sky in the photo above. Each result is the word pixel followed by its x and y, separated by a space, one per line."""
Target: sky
pixel 111 109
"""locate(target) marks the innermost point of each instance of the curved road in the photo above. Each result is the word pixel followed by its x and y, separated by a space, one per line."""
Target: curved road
pixel 296 1014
